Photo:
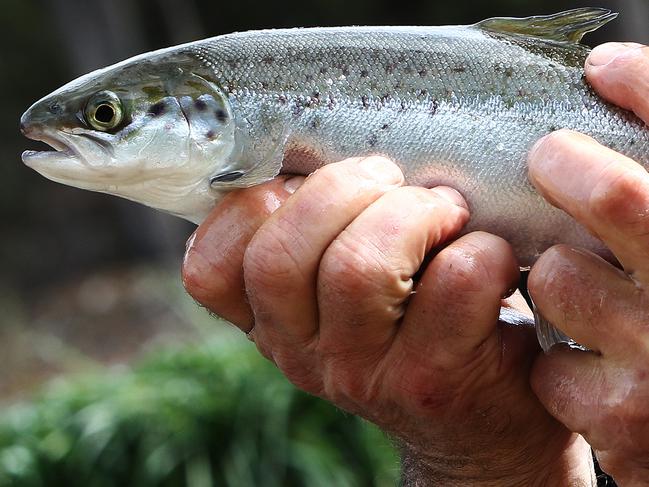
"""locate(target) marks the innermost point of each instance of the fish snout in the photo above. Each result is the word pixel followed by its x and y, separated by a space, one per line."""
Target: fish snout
pixel 38 117
pixel 30 125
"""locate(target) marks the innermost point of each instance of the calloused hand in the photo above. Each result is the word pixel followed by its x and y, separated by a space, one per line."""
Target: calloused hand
pixel 321 275
pixel 602 394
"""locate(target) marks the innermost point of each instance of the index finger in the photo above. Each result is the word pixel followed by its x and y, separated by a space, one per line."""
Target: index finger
pixel 602 189
pixel 213 264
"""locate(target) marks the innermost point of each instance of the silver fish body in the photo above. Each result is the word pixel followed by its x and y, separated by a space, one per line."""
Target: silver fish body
pixel 458 106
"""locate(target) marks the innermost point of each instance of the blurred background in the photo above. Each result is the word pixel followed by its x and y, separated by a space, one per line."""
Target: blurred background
pixel 101 348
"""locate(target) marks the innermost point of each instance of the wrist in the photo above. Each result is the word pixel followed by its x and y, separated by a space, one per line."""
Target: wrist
pixel 570 464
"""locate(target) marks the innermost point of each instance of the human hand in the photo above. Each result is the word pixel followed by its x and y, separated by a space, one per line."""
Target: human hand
pixel 602 394
pixel 322 281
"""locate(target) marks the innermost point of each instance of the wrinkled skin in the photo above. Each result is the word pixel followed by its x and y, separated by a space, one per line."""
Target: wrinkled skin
pixel 319 273
pixel 601 394
pixel 321 279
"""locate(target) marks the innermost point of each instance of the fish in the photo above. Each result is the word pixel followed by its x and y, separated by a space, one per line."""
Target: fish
pixel 177 129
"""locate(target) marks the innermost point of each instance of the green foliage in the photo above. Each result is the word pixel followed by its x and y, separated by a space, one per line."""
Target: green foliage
pixel 214 414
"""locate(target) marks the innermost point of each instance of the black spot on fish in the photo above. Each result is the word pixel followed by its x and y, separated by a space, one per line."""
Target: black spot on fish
pixel 364 73
pixel 323 70
pixel 221 115
pixel 459 69
pixel 264 85
pixel 509 72
pixel 389 68
pixel 200 105
pixel 308 77
pixel 210 134
pixel 422 73
pixel 158 109
pixel 366 101
pixel 345 70
pixel 385 126
pixel 422 93
pixel 332 102
pixel 373 140
pixel 315 124
pixel 282 99
pixel 385 98
pixel 632 142
pixel 298 109
pixel 268 59
pixel 433 107
pixel 552 128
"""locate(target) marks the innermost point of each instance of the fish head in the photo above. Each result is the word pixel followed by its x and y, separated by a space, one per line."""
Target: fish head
pixel 150 129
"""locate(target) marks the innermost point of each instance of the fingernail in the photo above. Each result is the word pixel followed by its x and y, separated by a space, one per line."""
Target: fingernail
pixel 189 246
pixel 450 195
pixel 382 170
pixel 292 184
pixel 190 241
pixel 607 53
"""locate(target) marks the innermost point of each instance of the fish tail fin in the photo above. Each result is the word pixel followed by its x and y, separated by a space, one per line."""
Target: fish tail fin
pixel 569 26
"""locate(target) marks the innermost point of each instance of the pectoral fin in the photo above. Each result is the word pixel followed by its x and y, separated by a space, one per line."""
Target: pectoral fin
pixel 569 26
pixel 259 155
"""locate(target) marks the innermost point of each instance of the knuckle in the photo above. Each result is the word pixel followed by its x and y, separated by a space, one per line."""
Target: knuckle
pixel 270 263
pixel 333 175
pixel 622 198
pixel 344 385
pixel 301 377
pixel 301 368
pixel 355 267
pixel 464 271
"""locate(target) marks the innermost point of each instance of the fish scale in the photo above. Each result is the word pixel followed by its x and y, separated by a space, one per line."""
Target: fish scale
pixel 453 106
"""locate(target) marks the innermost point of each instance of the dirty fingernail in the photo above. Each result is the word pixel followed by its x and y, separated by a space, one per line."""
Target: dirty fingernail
pixel 292 184
pixel 450 195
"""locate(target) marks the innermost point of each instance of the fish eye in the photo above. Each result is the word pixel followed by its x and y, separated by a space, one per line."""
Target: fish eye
pixel 104 111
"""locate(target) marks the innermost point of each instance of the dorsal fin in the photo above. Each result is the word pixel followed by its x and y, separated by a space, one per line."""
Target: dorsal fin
pixel 568 26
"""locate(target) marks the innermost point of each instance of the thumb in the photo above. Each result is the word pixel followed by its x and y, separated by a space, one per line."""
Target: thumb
pixel 620 73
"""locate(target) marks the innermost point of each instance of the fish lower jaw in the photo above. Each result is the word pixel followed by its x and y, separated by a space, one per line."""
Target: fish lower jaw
pixel 31 157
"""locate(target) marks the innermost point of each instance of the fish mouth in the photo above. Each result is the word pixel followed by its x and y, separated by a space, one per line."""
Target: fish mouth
pixel 64 163
pixel 62 149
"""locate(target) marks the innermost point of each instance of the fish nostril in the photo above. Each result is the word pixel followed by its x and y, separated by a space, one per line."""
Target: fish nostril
pixel 55 108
